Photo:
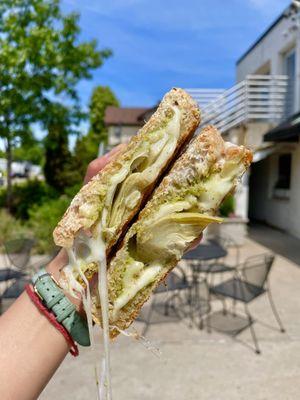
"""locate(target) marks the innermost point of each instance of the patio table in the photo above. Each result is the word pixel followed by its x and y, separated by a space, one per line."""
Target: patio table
pixel 206 251
pixel 210 250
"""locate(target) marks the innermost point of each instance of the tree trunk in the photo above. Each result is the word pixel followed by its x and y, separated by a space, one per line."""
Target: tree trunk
pixel 8 173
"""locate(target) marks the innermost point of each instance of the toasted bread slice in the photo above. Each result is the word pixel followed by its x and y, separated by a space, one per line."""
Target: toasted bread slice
pixel 181 207
pixel 113 197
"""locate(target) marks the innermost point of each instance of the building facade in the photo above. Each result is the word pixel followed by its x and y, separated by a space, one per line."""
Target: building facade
pixel 274 184
pixel 124 122
pixel 262 111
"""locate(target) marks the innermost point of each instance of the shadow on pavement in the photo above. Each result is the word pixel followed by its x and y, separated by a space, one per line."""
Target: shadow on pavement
pixel 276 240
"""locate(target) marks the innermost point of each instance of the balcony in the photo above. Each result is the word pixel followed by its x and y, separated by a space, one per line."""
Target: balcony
pixel 258 98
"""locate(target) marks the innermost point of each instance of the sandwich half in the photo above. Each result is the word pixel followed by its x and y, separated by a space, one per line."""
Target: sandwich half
pixel 105 206
pixel 181 207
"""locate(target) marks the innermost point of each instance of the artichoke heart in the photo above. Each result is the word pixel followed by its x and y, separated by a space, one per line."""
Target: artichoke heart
pixel 169 236
pixel 144 170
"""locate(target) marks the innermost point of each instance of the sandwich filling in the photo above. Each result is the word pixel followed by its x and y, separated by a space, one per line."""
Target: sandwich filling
pixel 170 222
pixel 115 201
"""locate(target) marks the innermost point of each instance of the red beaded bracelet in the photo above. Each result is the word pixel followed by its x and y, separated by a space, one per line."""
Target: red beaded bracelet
pixel 51 318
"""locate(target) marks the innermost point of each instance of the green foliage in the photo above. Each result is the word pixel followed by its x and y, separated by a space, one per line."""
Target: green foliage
pixel 40 51
pixel 11 228
pixel 59 169
pixel 43 220
pixel 33 154
pixel 25 195
pixel 41 58
pixel 87 146
pixel 102 97
pixel 228 206
pixel 30 149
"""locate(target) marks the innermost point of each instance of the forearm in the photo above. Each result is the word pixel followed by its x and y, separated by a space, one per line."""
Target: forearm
pixel 31 348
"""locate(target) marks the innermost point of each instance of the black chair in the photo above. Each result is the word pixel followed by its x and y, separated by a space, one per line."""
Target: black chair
pixel 14 290
pixel 223 264
pixel 173 285
pixel 249 282
pixel 18 252
pixel 15 274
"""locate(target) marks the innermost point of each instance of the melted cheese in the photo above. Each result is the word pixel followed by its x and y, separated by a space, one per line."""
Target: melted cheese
pixel 158 155
pixel 172 239
pixel 97 253
pixel 132 284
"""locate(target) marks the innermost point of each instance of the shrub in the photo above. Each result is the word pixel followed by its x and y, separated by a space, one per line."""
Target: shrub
pixel 43 219
pixel 228 206
pixel 27 194
pixel 11 228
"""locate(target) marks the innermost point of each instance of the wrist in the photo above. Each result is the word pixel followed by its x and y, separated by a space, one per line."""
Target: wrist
pixel 54 268
pixel 58 308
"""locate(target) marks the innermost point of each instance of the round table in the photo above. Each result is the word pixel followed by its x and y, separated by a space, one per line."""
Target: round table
pixel 206 251
pixel 210 250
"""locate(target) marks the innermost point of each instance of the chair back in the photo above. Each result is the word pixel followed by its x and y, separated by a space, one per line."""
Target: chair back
pixel 18 252
pixel 228 243
pixel 257 268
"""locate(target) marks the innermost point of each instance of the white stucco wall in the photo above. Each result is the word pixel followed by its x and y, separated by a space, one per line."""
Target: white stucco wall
pixel 281 213
pixel 267 57
pixel 269 50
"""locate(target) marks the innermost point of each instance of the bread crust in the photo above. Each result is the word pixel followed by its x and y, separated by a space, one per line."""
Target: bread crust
pixel 72 222
pixel 209 151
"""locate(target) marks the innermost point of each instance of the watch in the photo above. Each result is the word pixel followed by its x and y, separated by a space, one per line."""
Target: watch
pixel 64 310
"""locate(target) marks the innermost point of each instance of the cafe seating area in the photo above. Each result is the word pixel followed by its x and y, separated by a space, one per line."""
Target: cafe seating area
pixel 215 273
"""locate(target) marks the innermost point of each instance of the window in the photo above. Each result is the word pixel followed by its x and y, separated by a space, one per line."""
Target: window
pixel 284 171
pixel 117 132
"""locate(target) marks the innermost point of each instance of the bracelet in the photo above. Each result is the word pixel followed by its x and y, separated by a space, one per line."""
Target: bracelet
pixel 64 310
pixel 52 319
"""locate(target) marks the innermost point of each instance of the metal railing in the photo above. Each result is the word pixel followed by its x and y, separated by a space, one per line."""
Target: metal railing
pixel 205 96
pixel 257 98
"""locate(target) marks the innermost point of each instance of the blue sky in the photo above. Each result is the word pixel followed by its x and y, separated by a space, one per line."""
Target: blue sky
pixel 158 44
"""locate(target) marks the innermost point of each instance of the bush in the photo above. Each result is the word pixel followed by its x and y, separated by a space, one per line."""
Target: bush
pixel 11 228
pixel 43 220
pixel 227 207
pixel 27 194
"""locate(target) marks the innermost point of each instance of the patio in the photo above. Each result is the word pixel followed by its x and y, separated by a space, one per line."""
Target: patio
pixel 197 365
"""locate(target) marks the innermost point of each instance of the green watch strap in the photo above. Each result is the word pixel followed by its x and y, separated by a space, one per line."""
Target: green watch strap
pixel 61 306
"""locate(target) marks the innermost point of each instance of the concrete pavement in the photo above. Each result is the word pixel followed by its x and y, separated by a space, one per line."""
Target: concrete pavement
pixel 197 365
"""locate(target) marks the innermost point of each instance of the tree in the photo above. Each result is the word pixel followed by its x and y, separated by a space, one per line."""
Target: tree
pixel 30 149
pixel 59 168
pixel 101 98
pixel 41 61
pixel 87 146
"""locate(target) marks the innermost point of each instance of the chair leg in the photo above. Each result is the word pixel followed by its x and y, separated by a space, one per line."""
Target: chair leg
pixel 253 334
pixel 275 312
pixel 224 306
pixel 234 307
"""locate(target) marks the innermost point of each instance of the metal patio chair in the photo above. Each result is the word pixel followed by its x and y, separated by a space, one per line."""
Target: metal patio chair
pixel 18 252
pixel 249 282
pixel 175 282
pixel 181 298
pixel 16 273
pixel 223 264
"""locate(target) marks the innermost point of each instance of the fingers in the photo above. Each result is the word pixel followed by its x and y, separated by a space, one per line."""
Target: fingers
pixel 99 163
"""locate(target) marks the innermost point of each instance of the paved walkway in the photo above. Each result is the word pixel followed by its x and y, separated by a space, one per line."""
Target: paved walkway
pixel 196 365
pixel 278 241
